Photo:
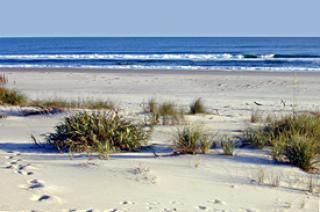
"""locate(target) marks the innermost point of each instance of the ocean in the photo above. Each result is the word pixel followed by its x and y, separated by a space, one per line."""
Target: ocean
pixel 252 54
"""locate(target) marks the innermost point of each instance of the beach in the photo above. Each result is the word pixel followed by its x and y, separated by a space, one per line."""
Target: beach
pixel 41 179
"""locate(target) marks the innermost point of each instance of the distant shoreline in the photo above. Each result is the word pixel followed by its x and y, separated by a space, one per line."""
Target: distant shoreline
pixel 162 71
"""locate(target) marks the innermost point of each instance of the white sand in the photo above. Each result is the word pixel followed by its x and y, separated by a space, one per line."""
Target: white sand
pixel 41 179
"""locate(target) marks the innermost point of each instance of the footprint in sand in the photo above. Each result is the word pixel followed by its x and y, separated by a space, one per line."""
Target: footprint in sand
pixel 114 210
pixel 23 172
pixel 9 157
pixel 35 184
pixel 127 203
pixel 46 198
pixel 217 201
pixel 18 165
pixel 151 205
pixel 170 209
pixel 41 198
pixel 202 207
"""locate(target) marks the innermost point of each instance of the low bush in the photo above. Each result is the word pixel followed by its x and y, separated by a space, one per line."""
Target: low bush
pixel 11 97
pixel 191 140
pixel 98 132
pixel 228 147
pixel 292 138
pixel 301 152
pixel 197 107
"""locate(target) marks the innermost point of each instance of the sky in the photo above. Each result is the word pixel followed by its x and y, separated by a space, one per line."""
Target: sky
pixel 38 18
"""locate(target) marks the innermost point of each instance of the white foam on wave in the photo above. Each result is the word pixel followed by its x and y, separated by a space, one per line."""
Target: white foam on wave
pixel 192 57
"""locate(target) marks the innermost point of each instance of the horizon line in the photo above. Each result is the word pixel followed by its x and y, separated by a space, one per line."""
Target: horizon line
pixel 162 36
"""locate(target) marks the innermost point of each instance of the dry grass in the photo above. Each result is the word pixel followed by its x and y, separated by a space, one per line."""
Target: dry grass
pixel 192 140
pixel 197 107
pixel 11 97
pixel 256 116
pixel 3 80
pixel 228 146
pixel 80 104
pixel 165 113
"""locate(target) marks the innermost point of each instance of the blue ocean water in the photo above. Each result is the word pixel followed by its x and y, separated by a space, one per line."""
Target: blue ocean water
pixel 270 54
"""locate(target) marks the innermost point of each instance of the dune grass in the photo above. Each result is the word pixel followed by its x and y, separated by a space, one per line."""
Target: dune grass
pixel 80 104
pixel 256 116
pixel 165 113
pixel 192 140
pixel 152 106
pixel 11 97
pixel 292 138
pixel 197 107
pixel 228 147
pixel 3 80
pixel 98 132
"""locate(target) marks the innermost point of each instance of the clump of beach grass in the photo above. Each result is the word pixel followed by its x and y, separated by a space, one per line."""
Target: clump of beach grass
pixel 294 139
pixel 80 104
pixel 98 132
pixel 3 80
pixel 256 116
pixel 152 106
pixel 165 113
pixel 228 147
pixel 197 107
pixel 11 97
pixel 192 140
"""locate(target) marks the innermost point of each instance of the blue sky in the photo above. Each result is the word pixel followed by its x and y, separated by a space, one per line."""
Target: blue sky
pixel 159 18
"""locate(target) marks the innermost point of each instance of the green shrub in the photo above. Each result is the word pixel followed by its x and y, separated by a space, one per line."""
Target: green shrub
pixel 228 147
pixel 11 97
pixel 191 140
pixel 197 107
pixel 292 138
pixel 258 138
pixel 301 152
pixel 98 132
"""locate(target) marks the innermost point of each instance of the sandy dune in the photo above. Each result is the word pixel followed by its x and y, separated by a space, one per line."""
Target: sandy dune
pixel 40 179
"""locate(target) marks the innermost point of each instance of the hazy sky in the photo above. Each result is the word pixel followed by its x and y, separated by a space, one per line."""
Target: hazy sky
pixel 159 17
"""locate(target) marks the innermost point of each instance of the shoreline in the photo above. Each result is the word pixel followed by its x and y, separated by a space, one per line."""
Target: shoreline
pixel 159 71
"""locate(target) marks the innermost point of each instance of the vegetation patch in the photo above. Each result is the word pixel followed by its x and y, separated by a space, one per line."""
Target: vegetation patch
pixel 228 147
pixel 165 113
pixel 81 104
pixel 294 139
pixel 256 116
pixel 197 107
pixel 98 132
pixel 11 97
pixel 192 140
